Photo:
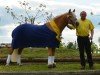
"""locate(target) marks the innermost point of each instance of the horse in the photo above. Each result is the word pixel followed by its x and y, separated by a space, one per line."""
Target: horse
pixel 47 35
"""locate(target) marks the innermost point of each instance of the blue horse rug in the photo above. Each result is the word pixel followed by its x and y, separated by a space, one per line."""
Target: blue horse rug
pixel 28 35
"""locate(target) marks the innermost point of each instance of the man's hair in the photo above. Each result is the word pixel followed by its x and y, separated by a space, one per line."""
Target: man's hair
pixel 83 12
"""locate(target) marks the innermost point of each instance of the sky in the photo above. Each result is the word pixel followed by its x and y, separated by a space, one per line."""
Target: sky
pixel 57 7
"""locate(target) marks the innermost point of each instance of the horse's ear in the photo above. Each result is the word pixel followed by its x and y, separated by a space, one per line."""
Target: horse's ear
pixel 74 10
pixel 69 11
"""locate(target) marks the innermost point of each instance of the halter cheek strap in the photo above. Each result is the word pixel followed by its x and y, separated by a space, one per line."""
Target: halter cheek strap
pixel 71 21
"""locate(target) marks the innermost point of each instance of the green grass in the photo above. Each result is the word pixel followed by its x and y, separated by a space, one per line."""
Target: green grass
pixel 43 53
pixel 43 67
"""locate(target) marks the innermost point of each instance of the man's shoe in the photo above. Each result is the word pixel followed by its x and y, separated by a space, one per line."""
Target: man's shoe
pixel 91 67
pixel 82 67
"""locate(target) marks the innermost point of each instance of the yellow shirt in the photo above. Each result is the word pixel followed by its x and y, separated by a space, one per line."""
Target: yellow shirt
pixel 84 27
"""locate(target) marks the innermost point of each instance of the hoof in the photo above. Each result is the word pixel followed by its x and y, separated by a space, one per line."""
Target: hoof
pixel 20 64
pixel 7 65
pixel 52 65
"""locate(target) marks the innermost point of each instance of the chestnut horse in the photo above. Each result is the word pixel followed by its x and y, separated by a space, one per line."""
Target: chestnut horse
pixel 47 35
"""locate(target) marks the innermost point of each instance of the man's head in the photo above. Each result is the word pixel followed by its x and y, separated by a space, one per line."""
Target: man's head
pixel 83 15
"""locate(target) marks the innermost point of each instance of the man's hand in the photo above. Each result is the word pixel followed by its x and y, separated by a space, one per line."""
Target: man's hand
pixel 90 37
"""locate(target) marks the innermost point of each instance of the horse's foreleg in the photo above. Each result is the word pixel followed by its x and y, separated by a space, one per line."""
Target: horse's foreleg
pixel 51 57
pixel 9 56
pixel 19 56
pixel 51 51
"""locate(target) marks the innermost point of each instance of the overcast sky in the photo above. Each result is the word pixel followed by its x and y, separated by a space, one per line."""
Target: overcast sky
pixel 7 24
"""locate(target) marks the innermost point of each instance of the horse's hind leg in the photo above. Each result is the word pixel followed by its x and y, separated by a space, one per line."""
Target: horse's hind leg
pixel 51 57
pixel 9 56
pixel 19 56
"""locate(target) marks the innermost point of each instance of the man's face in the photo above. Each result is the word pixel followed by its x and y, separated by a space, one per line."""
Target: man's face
pixel 83 14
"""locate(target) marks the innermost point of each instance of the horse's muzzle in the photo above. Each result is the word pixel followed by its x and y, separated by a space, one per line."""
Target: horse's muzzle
pixel 77 24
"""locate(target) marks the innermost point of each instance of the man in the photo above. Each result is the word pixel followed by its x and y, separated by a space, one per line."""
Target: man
pixel 84 32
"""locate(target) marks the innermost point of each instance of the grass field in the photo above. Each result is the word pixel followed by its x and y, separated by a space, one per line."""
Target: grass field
pixel 29 67
pixel 42 53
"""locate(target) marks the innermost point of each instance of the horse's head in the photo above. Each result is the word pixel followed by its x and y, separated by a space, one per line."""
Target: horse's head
pixel 72 18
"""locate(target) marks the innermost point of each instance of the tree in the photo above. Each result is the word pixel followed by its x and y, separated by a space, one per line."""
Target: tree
pixel 94 47
pixel 27 17
pixel 99 40
pixel 72 45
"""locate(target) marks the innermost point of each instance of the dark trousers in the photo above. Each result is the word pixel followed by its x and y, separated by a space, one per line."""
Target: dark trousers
pixel 85 46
